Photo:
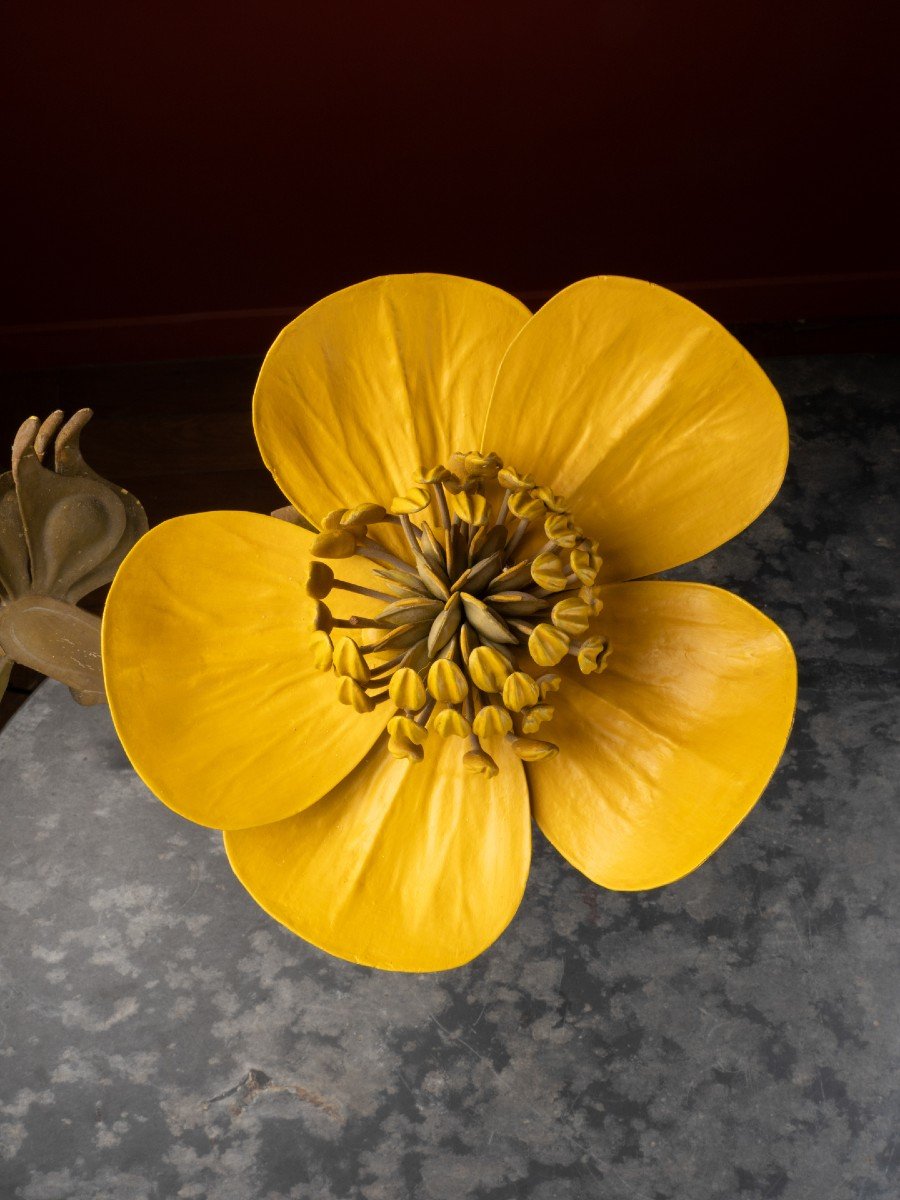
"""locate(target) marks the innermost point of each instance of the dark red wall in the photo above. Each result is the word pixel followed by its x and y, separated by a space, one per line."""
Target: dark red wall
pixel 196 157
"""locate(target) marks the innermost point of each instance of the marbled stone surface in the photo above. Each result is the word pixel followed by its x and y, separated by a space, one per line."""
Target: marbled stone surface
pixel 732 1036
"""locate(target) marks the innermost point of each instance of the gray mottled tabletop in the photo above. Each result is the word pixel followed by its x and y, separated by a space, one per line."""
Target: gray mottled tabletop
pixel 732 1036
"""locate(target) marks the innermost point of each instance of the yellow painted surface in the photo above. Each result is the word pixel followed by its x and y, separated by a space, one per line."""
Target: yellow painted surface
pixel 660 429
pixel 405 867
pixel 377 381
pixel 663 754
pixel 210 675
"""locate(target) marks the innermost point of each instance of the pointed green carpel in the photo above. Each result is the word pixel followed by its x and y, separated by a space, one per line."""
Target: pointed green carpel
pixel 467 615
pixel 445 624
pixel 486 622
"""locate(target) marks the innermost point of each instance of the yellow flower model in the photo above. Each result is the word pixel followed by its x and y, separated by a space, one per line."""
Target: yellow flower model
pixel 373 732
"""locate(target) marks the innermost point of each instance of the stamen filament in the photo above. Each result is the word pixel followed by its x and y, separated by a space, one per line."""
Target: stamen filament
pixel 359 590
pixel 371 549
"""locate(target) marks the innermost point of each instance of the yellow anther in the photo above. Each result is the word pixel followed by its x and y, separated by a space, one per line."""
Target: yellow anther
pixel 492 721
pixel 513 480
pixel 470 506
pixel 585 562
pixel 526 505
pixel 405 727
pixel 457 461
pixel 323 651
pixel 591 598
pixel 488 669
pixel 323 621
pixel 451 723
pixel 480 763
pixel 452 485
pixel 333 519
pixel 547 645
pixel 334 543
pixel 532 749
pixel 571 615
pixel 446 682
pixel 548 683
pixel 482 466
pixel 520 691
pixel 364 514
pixel 402 747
pixel 560 528
pixel 548 572
pixel 406 690
pixel 533 718
pixel 412 501
pixel 593 654
pixel 319 581
pixel 348 661
pixel 556 504
pixel 349 692
pixel 433 474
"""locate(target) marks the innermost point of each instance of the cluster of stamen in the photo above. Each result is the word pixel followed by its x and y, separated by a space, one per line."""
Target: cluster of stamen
pixel 468 627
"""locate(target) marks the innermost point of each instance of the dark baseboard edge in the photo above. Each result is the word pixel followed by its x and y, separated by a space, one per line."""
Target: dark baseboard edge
pixel 797 314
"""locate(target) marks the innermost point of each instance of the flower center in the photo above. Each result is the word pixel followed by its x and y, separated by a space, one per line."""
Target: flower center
pixel 471 621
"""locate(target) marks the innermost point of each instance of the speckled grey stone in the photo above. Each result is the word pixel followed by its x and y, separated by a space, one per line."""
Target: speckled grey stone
pixel 731 1037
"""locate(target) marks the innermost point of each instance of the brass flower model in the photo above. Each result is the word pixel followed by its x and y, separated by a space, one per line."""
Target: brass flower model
pixel 374 710
pixel 63 532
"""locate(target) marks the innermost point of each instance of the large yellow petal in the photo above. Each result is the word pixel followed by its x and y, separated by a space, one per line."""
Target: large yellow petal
pixel 404 867
pixel 377 381
pixel 663 754
pixel 665 435
pixel 210 677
